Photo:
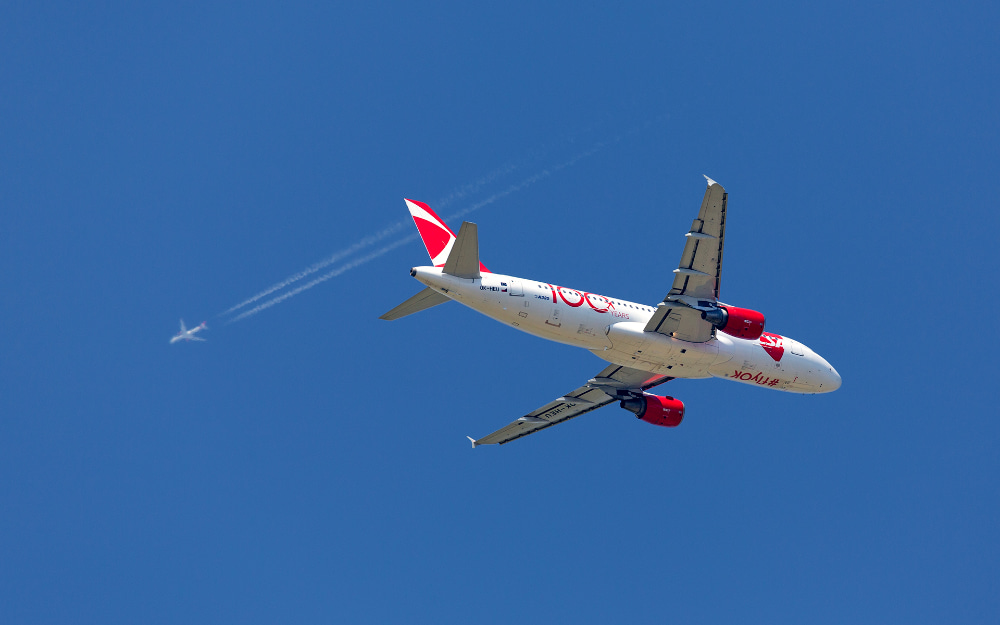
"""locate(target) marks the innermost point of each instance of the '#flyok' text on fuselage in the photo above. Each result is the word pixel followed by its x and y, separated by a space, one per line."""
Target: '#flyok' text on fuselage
pixel 690 334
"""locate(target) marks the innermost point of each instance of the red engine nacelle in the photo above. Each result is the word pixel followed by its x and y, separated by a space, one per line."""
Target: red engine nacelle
pixel 739 322
pixel 665 411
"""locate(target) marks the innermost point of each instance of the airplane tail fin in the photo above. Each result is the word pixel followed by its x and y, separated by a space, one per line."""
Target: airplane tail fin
pixel 463 260
pixel 438 238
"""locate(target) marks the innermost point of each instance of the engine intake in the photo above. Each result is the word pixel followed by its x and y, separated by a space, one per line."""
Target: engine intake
pixel 739 322
pixel 665 411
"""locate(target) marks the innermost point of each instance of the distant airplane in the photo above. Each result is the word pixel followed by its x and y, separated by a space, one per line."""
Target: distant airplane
pixel 189 335
pixel 690 334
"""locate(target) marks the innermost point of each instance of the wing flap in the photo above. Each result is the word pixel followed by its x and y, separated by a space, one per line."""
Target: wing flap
pixel 699 273
pixel 679 322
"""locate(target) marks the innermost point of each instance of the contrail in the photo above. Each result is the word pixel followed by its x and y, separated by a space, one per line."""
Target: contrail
pixel 347 251
pixel 370 240
pixel 336 272
pixel 530 180
pixel 545 173
pixel 474 186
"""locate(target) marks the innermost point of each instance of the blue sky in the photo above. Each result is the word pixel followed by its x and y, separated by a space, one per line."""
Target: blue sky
pixel 309 462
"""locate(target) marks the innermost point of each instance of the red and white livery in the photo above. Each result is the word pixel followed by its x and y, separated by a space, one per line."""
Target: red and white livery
pixel 690 334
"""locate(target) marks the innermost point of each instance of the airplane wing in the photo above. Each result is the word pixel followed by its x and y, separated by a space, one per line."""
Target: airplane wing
pixel 195 338
pixel 183 327
pixel 698 275
pixel 613 383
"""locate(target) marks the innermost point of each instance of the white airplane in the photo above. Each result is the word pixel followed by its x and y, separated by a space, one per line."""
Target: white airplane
pixel 189 335
pixel 690 334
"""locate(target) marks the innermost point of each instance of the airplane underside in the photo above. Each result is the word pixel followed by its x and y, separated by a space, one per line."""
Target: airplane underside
pixel 690 334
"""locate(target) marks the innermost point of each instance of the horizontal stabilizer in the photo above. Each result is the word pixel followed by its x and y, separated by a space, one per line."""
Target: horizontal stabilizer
pixel 428 298
pixel 463 260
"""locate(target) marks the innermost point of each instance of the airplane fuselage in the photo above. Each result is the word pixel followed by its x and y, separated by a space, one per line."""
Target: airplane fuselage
pixel 612 329
pixel 188 335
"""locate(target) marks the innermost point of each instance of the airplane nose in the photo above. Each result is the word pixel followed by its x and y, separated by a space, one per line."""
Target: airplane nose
pixel 833 380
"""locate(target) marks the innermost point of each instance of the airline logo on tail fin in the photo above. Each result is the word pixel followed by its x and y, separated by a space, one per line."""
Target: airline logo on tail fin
pixel 438 238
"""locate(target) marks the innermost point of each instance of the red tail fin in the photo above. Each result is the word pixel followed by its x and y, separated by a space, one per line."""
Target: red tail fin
pixel 437 236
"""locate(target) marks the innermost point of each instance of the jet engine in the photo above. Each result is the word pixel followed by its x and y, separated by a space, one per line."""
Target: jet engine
pixel 739 322
pixel 665 411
